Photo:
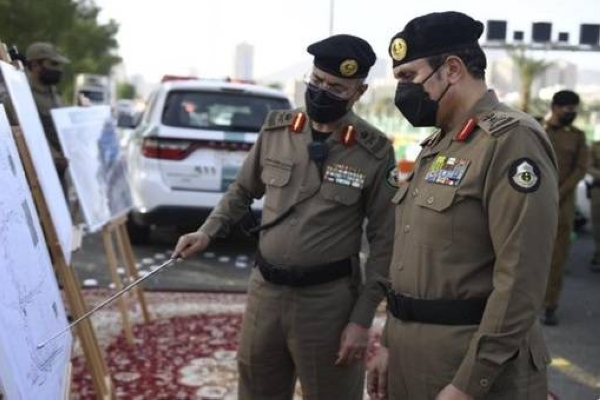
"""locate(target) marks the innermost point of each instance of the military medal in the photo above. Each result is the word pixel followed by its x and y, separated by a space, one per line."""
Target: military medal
pixel 466 131
pixel 345 175
pixel 348 136
pixel 298 122
pixel 447 170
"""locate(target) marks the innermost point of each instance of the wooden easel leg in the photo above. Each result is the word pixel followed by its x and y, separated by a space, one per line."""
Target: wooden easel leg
pixel 89 342
pixel 112 266
pixel 127 254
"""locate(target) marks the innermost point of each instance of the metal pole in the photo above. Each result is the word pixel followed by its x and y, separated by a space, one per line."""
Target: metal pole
pixel 105 302
pixel 331 9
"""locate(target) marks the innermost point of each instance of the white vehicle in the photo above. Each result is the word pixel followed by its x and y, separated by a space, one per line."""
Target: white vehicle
pixel 188 148
pixel 92 90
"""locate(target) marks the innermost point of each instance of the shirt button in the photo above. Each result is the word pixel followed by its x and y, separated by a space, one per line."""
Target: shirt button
pixel 272 181
pixel 484 382
pixel 294 221
pixel 406 228
pixel 430 200
pixel 337 197
pixel 400 267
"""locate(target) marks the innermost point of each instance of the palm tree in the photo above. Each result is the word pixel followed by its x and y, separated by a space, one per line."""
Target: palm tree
pixel 529 69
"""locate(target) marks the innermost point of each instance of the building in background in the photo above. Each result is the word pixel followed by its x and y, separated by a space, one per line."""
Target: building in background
pixel 244 62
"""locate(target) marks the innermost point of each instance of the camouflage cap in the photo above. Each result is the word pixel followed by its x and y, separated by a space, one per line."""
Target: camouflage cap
pixel 43 50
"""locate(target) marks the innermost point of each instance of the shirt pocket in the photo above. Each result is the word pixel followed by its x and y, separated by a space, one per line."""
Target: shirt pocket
pixel 433 219
pixel 345 195
pixel 276 176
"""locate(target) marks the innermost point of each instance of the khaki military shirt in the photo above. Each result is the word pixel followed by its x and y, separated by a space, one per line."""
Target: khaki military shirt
pixel 572 155
pixel 330 205
pixel 46 99
pixel 477 219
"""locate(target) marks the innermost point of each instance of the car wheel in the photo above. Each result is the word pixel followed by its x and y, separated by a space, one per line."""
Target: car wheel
pixel 138 234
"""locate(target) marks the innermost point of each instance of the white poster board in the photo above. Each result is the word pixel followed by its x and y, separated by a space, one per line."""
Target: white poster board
pixel 20 93
pixel 31 308
pixel 88 137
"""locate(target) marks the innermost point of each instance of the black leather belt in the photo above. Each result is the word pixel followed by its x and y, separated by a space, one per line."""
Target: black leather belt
pixel 438 312
pixel 303 276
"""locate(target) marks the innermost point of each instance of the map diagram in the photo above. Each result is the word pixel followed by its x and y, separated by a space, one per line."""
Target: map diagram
pixel 26 111
pixel 89 139
pixel 31 308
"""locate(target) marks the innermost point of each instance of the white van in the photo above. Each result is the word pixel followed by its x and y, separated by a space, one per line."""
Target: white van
pixel 189 146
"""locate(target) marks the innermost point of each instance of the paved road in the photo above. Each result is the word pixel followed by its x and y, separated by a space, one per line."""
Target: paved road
pixel 574 344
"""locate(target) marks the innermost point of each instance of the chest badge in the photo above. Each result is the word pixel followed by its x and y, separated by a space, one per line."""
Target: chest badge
pixel 345 175
pixel 447 170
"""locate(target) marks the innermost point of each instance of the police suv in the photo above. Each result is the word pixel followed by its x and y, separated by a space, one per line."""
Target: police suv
pixel 188 147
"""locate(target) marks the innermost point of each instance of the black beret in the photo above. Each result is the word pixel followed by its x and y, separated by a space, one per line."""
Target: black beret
pixel 565 98
pixel 433 34
pixel 345 56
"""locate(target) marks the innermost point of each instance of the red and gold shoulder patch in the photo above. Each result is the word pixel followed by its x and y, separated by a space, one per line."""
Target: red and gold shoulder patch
pixel 348 137
pixel 465 133
pixel 298 122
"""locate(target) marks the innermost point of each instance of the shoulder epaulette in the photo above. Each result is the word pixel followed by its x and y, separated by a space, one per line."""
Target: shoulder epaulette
pixel 497 122
pixel 278 119
pixel 374 142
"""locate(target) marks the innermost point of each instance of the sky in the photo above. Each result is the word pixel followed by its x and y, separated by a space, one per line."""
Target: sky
pixel 199 37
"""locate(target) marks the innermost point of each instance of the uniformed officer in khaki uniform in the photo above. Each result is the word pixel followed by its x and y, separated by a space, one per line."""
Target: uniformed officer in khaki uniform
pixel 594 171
pixel 322 171
pixel 475 225
pixel 572 154
pixel 44 69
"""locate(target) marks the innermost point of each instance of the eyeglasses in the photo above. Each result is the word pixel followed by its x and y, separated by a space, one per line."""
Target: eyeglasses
pixel 335 90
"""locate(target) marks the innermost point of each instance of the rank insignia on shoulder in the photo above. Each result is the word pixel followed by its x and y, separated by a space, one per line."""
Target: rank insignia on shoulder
pixel 298 122
pixel 447 170
pixel 524 175
pixel 278 119
pixel 466 130
pixel 497 122
pixel 348 136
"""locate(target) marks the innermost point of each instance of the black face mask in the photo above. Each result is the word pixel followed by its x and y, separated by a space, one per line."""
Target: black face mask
pixel 415 104
pixel 323 108
pixel 567 118
pixel 50 77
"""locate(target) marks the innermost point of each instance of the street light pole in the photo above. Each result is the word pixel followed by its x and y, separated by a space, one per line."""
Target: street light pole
pixel 331 8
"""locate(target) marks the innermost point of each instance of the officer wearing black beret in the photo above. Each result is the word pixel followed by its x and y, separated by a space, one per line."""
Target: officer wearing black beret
pixel 475 226
pixel 323 171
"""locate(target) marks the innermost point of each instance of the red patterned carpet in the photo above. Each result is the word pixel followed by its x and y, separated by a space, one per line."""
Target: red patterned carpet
pixel 186 352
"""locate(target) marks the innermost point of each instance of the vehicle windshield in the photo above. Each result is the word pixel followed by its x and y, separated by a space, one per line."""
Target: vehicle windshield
pixel 219 111
pixel 92 95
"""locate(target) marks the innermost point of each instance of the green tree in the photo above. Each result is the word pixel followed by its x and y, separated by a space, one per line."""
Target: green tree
pixel 125 90
pixel 529 69
pixel 72 25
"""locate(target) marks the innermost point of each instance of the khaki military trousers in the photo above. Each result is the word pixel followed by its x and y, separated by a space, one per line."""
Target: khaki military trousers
pixel 291 333
pixel 560 253
pixel 595 210
pixel 423 359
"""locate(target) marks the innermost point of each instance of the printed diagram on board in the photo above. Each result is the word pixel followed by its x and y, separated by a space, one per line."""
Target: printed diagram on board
pixel 31 309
